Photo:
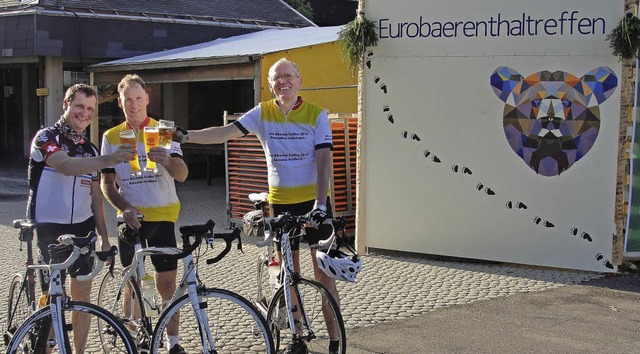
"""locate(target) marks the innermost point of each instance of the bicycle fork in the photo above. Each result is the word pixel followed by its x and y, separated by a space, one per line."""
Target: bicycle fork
pixel 199 308
pixel 58 321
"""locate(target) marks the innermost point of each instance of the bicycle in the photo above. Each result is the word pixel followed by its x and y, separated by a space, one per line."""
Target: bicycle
pixel 22 289
pixel 47 329
pixel 313 322
pixel 236 325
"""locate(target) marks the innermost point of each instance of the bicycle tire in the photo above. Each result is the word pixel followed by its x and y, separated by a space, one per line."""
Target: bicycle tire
pixel 121 340
pixel 236 325
pixel 315 298
pixel 18 306
pixel 111 298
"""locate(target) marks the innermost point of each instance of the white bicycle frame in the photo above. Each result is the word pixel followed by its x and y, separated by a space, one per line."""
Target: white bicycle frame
pixel 188 283
pixel 57 296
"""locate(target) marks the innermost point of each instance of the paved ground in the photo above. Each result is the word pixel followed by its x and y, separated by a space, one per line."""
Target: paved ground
pixel 405 303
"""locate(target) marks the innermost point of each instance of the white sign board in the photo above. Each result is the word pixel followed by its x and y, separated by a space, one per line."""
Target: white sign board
pixel 491 130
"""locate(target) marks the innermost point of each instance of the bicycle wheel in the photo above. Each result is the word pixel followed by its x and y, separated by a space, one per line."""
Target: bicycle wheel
pixel 27 334
pixel 323 313
pixel 235 324
pixel 125 306
pixel 17 307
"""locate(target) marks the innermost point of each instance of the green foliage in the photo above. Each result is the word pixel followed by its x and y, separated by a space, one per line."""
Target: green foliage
pixel 625 37
pixel 303 7
pixel 355 37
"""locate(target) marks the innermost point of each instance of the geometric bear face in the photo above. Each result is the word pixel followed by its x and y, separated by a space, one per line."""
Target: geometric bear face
pixel 552 119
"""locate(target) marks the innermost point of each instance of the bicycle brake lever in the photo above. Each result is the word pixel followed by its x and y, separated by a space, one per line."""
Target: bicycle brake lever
pixel 236 231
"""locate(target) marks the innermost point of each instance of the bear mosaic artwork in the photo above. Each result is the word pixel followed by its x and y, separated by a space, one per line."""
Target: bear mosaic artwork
pixel 552 119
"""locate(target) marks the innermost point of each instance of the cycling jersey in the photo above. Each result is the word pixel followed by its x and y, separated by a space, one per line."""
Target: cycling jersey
pixel 290 143
pixel 54 197
pixel 153 194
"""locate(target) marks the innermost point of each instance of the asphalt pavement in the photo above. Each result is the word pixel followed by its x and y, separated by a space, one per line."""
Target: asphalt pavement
pixel 411 303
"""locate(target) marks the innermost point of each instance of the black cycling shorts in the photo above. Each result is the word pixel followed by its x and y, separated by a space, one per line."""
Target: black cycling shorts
pixel 48 234
pixel 313 236
pixel 152 234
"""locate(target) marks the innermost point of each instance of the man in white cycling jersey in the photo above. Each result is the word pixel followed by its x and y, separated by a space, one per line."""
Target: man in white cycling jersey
pixel 296 138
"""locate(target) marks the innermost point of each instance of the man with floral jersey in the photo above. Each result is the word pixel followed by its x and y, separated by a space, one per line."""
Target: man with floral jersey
pixel 64 189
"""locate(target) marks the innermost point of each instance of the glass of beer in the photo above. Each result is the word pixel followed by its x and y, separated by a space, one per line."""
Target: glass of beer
pixel 150 141
pixel 165 127
pixel 129 137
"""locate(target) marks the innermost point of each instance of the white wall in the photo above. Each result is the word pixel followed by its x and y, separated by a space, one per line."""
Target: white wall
pixel 439 94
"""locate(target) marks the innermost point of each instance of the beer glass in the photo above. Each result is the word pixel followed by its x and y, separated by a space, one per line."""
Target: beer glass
pixel 150 141
pixel 129 137
pixel 165 126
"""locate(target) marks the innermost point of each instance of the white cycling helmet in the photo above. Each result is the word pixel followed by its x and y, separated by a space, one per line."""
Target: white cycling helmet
pixel 339 265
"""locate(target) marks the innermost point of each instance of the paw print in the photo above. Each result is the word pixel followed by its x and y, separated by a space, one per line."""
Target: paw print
pixel 465 170
pixel 413 136
pixel 387 110
pixel 600 257
pixel 368 60
pixel 487 190
pixel 434 158
pixel 583 235
pixel 546 223
pixel 383 86
pixel 518 205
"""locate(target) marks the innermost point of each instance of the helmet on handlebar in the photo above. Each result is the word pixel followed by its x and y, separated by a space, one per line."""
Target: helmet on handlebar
pixel 339 265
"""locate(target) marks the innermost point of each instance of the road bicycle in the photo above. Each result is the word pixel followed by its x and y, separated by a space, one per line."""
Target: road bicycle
pixel 22 289
pixel 211 320
pixel 49 329
pixel 304 313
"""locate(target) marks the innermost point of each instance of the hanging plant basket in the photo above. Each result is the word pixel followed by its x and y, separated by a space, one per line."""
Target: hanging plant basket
pixel 355 37
pixel 625 37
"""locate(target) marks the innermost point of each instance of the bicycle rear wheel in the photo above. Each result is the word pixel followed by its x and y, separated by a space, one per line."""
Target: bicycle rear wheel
pixel 17 307
pixel 120 341
pixel 125 306
pixel 325 319
pixel 235 324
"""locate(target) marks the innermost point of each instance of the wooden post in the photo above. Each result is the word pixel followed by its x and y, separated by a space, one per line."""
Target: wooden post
pixel 623 183
pixel 361 231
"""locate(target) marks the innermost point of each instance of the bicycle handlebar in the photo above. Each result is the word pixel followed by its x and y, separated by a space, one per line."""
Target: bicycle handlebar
pixel 206 230
pixel 101 257
pixel 82 245
pixel 228 238
pixel 287 220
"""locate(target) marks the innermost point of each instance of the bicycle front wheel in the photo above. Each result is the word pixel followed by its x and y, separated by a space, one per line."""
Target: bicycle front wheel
pixel 233 323
pixel 17 307
pixel 28 334
pixel 325 319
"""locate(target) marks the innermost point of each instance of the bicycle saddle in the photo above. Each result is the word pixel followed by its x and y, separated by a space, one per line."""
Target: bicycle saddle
pixel 258 197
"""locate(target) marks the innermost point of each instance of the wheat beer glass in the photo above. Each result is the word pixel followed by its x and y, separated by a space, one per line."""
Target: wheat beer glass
pixel 150 141
pixel 165 126
pixel 129 137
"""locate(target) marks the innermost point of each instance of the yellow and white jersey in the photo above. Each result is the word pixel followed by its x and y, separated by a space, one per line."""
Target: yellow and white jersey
pixel 153 194
pixel 290 143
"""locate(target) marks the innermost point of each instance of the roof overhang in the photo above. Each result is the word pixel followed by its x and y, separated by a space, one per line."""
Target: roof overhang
pixel 177 63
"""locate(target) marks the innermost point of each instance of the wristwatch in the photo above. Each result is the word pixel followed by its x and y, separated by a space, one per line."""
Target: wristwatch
pixel 184 135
